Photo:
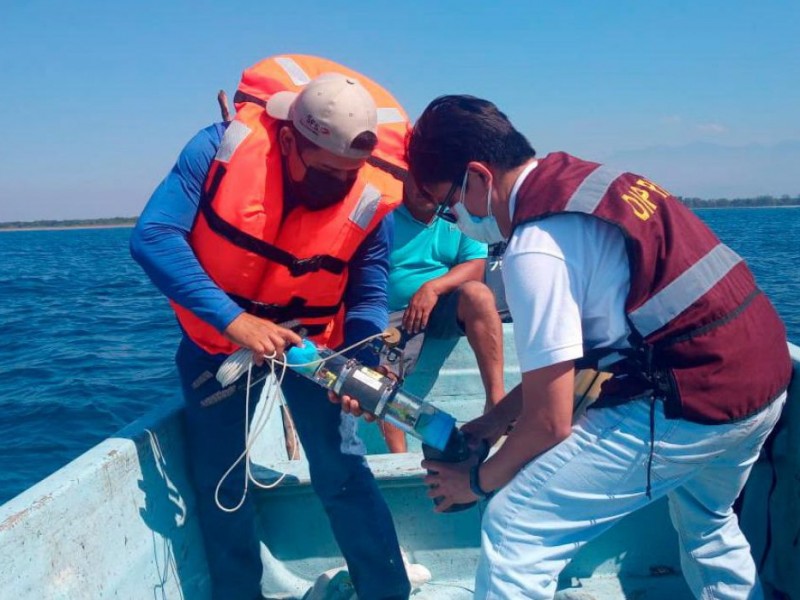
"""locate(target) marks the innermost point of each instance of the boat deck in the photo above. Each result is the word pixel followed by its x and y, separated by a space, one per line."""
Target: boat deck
pixel 635 560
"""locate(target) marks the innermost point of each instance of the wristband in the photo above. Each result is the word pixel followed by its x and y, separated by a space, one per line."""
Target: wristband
pixel 475 482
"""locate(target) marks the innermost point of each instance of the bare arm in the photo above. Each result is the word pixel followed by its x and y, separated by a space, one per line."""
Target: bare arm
pixel 492 425
pixel 422 302
pixel 472 270
pixel 545 420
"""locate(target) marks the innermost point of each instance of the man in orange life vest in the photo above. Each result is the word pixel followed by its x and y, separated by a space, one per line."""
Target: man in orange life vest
pixel 436 292
pixel 604 265
pixel 274 217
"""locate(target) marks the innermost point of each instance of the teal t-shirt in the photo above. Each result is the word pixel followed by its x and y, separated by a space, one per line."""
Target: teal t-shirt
pixel 424 251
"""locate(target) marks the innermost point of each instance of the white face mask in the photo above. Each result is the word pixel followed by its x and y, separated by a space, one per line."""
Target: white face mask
pixel 484 229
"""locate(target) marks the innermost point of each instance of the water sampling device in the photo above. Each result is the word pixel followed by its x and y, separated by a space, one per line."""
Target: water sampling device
pixel 384 397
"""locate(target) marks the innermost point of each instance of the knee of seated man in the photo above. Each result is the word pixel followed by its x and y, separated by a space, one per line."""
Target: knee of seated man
pixel 475 298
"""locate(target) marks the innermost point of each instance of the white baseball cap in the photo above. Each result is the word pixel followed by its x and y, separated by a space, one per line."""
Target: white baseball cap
pixel 332 111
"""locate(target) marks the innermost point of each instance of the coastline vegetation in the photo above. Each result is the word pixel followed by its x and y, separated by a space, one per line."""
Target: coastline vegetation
pixel 784 200
pixel 759 201
pixel 70 223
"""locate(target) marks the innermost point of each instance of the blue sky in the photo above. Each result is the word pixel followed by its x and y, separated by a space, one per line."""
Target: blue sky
pixel 99 97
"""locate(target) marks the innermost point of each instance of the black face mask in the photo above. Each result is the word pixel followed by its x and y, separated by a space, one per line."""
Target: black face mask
pixel 318 189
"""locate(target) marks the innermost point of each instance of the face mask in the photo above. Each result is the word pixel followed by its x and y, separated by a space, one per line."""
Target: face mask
pixel 483 229
pixel 319 189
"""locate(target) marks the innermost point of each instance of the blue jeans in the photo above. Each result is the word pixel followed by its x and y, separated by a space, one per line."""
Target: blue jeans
pixel 359 516
pixel 578 489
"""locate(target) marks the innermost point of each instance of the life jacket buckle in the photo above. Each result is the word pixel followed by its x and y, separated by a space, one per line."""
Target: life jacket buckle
pixel 303 266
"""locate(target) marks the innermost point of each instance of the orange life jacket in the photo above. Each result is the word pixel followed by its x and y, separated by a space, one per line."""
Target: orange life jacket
pixel 295 269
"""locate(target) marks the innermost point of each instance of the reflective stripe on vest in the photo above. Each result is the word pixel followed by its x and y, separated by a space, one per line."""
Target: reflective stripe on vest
pixel 591 190
pixel 363 212
pixel 389 115
pixel 293 70
pixel 686 289
pixel 683 291
pixel 235 134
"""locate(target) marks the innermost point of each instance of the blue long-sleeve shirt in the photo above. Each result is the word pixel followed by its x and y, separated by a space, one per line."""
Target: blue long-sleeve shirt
pixel 159 243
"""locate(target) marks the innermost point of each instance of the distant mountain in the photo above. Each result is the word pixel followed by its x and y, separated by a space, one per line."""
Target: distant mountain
pixel 707 170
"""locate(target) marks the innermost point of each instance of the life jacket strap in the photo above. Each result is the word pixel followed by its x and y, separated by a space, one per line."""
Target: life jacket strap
pixel 392 169
pixel 240 97
pixel 297 266
pixel 296 308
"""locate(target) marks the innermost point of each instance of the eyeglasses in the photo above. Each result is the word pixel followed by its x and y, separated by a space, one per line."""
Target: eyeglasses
pixel 443 210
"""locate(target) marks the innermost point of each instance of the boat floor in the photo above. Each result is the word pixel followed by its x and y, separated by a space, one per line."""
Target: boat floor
pixel 447 545
pixel 657 587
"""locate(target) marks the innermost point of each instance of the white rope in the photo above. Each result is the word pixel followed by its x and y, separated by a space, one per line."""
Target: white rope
pixel 234 366
pixel 230 371
pixel 251 433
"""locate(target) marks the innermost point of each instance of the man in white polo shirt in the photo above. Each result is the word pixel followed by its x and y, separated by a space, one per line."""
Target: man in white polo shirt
pixel 606 266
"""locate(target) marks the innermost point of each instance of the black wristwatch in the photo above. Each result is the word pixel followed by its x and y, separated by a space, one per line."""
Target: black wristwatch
pixel 475 482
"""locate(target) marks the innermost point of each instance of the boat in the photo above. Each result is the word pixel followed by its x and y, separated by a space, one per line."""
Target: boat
pixel 119 521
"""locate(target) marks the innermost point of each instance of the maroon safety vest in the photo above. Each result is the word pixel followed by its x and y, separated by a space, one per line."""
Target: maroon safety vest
pixel 705 336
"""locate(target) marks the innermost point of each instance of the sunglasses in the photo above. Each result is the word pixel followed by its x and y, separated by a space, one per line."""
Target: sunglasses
pixel 443 210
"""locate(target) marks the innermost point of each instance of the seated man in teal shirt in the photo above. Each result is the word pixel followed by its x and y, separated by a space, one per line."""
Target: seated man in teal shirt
pixel 436 286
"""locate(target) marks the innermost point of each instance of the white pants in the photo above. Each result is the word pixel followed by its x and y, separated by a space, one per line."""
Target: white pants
pixel 577 490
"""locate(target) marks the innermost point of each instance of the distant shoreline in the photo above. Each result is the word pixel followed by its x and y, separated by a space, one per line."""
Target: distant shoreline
pixel 65 227
pixel 738 207
pixel 129 222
